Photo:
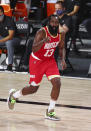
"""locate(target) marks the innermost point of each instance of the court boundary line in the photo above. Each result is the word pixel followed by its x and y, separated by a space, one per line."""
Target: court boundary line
pixel 69 77
pixel 46 104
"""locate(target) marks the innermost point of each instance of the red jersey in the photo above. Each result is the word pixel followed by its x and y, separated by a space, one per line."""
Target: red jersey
pixel 48 48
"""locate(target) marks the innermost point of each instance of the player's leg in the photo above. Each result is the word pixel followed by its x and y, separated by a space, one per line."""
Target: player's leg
pixel 54 76
pixel 56 88
pixel 55 92
pixel 14 95
pixel 35 79
pixel 50 114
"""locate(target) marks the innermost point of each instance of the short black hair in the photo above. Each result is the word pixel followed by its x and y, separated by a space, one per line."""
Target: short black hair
pixel 53 15
pixel 2 9
pixel 47 20
pixel 61 3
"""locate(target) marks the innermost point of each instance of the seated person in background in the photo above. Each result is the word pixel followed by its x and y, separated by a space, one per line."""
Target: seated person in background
pixel 72 9
pixel 7 32
pixel 64 20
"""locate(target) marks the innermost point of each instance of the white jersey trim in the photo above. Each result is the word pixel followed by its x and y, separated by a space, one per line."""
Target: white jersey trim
pixel 34 56
pixel 33 83
pixel 53 76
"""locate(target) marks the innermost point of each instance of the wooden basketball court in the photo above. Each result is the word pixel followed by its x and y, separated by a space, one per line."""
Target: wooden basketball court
pixel 73 106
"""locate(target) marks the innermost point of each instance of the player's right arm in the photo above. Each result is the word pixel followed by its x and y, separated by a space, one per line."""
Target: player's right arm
pixel 39 40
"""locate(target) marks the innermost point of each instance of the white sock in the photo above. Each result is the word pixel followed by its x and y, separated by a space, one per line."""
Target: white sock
pixel 51 105
pixel 17 94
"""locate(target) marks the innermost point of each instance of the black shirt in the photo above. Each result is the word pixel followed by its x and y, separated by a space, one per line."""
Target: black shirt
pixel 66 20
pixel 69 4
pixel 6 25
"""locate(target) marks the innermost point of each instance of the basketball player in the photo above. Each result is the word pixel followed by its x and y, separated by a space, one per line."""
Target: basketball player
pixel 42 62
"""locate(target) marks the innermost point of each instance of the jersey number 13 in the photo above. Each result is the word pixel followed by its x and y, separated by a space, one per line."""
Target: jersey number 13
pixel 49 53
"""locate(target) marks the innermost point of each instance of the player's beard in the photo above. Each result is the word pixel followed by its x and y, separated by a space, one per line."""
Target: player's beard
pixel 53 30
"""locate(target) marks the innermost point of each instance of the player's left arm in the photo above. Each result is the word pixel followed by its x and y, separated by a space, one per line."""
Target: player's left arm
pixel 62 51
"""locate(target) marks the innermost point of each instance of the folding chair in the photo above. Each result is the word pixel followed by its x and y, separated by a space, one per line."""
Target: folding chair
pixel 23 32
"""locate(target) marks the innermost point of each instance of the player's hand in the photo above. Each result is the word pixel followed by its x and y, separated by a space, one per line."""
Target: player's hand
pixel 63 64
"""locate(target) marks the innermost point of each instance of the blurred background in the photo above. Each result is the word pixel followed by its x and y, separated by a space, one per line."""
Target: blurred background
pixel 35 11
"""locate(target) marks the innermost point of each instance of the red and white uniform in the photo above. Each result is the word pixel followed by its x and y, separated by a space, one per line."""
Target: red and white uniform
pixel 43 62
